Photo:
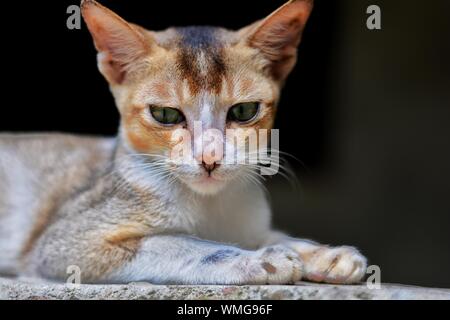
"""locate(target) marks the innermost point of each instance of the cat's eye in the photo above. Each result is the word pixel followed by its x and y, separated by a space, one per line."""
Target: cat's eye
pixel 167 116
pixel 243 112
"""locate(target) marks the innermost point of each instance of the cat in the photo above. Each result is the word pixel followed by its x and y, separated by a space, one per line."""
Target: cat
pixel 120 211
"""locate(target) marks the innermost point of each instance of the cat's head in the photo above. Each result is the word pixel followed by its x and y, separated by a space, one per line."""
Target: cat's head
pixel 197 79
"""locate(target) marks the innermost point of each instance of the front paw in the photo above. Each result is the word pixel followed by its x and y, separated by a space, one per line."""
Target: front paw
pixel 272 265
pixel 340 265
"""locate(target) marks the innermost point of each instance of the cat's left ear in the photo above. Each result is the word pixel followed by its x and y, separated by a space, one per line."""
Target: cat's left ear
pixel 278 36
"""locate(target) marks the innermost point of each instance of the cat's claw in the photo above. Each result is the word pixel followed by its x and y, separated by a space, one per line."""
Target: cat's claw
pixel 340 265
pixel 272 265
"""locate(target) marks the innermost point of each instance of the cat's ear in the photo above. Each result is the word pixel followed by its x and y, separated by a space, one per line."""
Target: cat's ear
pixel 278 36
pixel 121 46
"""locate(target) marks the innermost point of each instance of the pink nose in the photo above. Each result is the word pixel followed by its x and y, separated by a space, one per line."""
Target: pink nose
pixel 210 167
pixel 210 155
pixel 209 161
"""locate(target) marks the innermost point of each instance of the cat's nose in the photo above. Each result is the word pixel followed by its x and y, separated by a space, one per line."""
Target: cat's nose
pixel 210 167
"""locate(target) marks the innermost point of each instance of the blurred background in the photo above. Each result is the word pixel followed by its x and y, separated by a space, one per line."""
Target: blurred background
pixel 367 113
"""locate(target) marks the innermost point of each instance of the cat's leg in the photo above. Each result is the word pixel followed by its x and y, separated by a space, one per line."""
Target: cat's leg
pixel 164 259
pixel 186 260
pixel 339 265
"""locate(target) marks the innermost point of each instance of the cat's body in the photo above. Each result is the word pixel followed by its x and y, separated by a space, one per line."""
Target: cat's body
pixel 52 177
pixel 120 211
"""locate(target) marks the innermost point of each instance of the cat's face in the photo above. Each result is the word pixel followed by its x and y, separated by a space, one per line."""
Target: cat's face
pixel 199 81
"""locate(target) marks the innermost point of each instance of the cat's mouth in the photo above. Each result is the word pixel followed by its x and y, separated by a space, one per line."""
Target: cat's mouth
pixel 208 179
pixel 207 184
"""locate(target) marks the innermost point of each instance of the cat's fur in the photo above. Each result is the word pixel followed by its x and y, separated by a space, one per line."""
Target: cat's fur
pixel 107 207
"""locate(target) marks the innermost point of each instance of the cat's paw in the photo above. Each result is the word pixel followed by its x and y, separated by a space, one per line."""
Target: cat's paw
pixel 272 265
pixel 340 265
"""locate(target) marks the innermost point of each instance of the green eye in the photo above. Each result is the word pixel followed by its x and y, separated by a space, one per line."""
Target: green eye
pixel 243 112
pixel 167 116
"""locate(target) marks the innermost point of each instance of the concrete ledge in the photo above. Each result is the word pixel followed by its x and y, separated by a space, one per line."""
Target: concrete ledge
pixel 35 290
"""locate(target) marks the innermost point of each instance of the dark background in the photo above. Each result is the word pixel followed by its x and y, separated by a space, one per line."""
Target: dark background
pixel 366 112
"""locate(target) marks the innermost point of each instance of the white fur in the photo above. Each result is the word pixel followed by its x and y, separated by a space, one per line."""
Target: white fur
pixel 17 221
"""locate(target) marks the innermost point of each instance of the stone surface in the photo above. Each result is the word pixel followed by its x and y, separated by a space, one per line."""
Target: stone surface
pixel 36 290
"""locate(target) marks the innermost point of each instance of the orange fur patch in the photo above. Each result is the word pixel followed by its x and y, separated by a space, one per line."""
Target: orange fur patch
pixel 143 136
pixel 125 233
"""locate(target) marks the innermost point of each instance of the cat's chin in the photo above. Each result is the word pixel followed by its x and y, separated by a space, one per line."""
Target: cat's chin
pixel 207 186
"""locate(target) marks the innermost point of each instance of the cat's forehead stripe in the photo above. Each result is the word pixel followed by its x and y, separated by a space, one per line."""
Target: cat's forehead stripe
pixel 201 58
pixel 199 37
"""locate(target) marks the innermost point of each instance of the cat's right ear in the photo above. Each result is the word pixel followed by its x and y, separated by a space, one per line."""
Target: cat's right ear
pixel 121 47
